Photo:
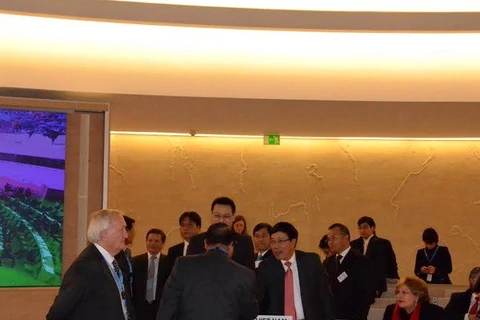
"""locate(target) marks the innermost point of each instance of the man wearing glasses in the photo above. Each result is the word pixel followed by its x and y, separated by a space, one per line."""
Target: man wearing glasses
pixel 349 275
pixel 293 282
pixel 190 223
pixel 223 210
pixel 379 253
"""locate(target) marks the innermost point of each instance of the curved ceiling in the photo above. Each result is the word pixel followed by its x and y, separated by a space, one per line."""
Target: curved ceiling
pixel 123 51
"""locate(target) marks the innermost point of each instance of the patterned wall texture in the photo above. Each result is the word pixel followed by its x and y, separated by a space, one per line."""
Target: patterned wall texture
pixel 406 186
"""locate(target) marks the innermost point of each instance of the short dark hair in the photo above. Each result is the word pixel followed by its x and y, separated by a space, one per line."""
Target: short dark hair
pixel 343 229
pixel 219 233
pixel 287 228
pixel 129 222
pixel 324 242
pixel 261 226
pixel 226 201
pixel 367 220
pixel 430 236
pixel 157 231
pixel 193 216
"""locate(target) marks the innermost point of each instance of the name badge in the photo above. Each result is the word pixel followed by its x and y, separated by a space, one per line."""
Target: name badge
pixel 429 277
pixel 266 317
pixel 342 277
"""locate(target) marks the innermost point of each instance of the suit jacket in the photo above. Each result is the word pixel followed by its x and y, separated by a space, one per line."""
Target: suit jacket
pixel 442 261
pixel 458 305
pixel 382 260
pixel 140 275
pixel 176 251
pixel 209 286
pixel 317 299
pixel 89 291
pixel 353 295
pixel 428 312
pixel 267 254
pixel 243 252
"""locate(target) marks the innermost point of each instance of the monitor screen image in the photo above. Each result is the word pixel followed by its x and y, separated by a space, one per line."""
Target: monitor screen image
pixel 32 183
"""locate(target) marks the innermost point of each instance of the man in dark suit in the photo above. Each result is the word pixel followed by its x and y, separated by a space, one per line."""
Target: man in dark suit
pixel 461 302
pixel 349 274
pixel 379 253
pixel 150 272
pixel 261 241
pixel 124 257
pixel 210 285
pixel 93 287
pixel 190 224
pixel 223 210
pixel 293 282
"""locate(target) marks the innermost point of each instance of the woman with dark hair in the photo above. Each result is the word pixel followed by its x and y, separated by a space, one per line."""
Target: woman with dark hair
pixel 433 264
pixel 413 302
pixel 240 225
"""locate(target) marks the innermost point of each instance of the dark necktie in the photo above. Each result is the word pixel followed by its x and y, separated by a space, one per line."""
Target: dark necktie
pixel 116 268
pixel 337 264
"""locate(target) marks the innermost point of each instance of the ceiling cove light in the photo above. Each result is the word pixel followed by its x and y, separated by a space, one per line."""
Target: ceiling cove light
pixel 213 135
pixel 334 5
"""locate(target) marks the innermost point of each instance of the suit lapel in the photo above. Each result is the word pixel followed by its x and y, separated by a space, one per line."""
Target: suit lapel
pixel 302 277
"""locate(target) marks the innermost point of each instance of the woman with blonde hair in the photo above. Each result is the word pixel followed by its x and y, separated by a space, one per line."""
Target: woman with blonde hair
pixel 413 302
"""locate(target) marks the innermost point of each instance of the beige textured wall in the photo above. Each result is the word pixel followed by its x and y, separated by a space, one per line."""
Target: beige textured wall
pixel 405 185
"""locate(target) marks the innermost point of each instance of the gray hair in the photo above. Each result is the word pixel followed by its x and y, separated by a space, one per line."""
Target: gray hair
pixel 101 221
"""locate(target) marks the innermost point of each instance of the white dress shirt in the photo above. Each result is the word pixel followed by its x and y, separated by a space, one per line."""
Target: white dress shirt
pixel 296 286
pixel 185 247
pixel 365 244
pixel 344 253
pixel 472 301
pixel 157 261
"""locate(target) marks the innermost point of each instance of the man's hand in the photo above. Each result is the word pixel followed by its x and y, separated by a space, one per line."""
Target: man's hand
pixel 431 269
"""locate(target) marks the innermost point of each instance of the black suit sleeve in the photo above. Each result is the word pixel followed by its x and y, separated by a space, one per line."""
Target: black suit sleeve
pixel 325 295
pixel 445 266
pixel 196 245
pixel 245 254
pixel 71 293
pixel 261 289
pixel 392 267
pixel 171 295
pixel 249 304
pixel 388 314
pixel 419 263
pixel 458 305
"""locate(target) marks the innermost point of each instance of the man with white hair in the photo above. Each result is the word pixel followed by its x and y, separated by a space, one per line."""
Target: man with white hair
pixel 93 287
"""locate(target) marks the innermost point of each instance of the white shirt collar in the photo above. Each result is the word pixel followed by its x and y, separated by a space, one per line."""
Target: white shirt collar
pixel 368 239
pixel 106 255
pixel 150 255
pixel 292 260
pixel 344 253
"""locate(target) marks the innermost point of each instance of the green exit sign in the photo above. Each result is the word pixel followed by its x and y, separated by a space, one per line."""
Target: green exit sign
pixel 271 139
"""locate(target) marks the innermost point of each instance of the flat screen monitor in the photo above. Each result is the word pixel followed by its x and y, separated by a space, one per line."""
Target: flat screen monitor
pixel 32 184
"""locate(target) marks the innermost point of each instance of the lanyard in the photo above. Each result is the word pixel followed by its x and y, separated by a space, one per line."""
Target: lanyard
pixel 121 289
pixel 433 255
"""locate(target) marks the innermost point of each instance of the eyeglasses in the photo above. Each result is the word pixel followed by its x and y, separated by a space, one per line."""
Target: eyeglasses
pixel 364 228
pixel 187 225
pixel 334 238
pixel 261 236
pixel 279 241
pixel 222 216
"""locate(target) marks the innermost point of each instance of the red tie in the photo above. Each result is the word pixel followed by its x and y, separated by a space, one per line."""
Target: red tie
pixel 289 297
pixel 474 308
